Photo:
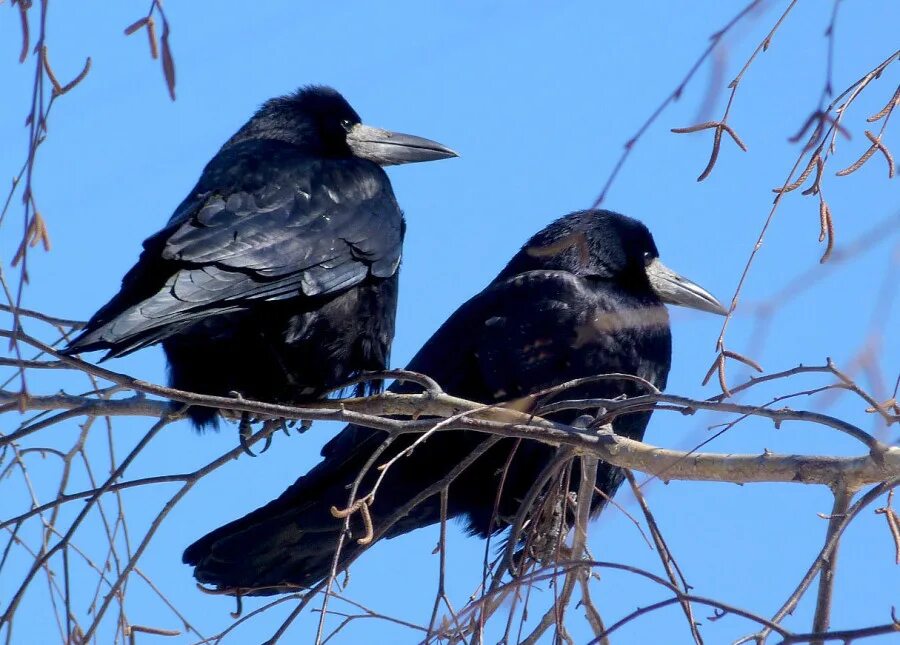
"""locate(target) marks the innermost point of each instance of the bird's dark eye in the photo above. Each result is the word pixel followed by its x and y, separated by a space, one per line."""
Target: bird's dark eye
pixel 648 258
pixel 347 124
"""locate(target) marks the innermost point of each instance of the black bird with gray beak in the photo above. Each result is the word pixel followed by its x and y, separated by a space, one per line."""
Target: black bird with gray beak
pixel 584 297
pixel 276 278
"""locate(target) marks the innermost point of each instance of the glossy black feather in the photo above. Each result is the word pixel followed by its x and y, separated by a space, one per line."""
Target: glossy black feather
pixel 277 276
pixel 574 302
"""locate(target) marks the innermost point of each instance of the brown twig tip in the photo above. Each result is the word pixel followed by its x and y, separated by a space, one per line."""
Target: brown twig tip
pixel 706 125
pixel 884 407
pixel 718 366
pixel 26 39
pixel 722 382
pixel 361 505
pixel 58 88
pixel 893 522
pixel 367 524
pixel 720 126
pixel 713 157
pixel 34 234
pixel 877 145
pixel 156 631
pixel 823 220
pixel 151 38
pixel 887 109
pixel 814 161
pixel 876 141
pixel 826 229
pixel 137 24
pixel 710 371
pixel 45 61
pixel 817 182
pixel 342 513
pixel 743 359
pixel 734 136
pixel 75 81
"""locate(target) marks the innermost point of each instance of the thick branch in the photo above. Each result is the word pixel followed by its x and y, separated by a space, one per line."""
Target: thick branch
pixel 619 451
pixel 822 618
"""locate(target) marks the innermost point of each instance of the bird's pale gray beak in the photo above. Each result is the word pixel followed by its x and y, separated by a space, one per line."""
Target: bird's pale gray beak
pixel 674 289
pixel 392 148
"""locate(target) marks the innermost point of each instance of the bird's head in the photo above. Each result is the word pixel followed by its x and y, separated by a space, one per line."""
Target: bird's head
pixel 607 246
pixel 321 121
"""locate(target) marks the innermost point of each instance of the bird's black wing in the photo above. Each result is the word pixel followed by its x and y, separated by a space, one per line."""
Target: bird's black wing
pixel 518 336
pixel 541 328
pixel 263 223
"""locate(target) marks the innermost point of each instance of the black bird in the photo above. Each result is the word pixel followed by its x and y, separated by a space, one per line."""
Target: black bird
pixel 583 297
pixel 276 278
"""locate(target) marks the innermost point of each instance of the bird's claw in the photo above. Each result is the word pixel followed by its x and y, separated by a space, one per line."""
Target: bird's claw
pixel 245 430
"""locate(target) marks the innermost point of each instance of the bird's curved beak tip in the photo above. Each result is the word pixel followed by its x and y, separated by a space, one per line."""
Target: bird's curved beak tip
pixel 388 148
pixel 675 289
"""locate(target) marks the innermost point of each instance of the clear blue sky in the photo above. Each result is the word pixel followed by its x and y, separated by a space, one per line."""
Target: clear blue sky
pixel 538 98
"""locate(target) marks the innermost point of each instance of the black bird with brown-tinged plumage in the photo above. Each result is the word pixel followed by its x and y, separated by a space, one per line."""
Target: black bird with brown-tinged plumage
pixel 585 296
pixel 276 278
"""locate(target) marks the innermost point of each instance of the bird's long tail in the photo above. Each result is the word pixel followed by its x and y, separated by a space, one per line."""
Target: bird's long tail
pixel 290 542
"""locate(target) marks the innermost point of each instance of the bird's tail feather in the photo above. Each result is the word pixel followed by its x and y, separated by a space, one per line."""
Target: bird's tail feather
pixel 268 551
pixel 94 339
pixel 290 542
